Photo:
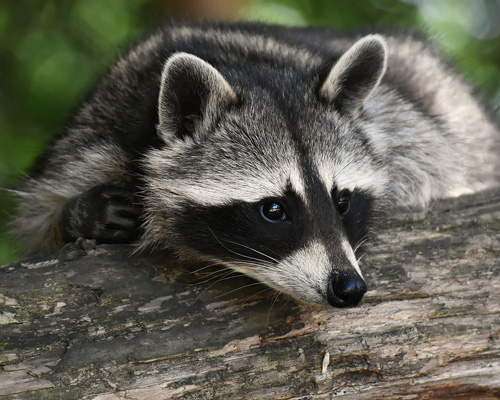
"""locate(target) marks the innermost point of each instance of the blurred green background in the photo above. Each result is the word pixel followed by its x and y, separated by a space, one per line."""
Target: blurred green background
pixel 51 52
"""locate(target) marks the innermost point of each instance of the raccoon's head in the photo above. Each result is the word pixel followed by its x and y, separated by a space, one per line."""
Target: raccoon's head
pixel 270 175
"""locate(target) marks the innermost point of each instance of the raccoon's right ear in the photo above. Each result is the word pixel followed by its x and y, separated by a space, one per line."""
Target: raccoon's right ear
pixel 193 94
pixel 356 74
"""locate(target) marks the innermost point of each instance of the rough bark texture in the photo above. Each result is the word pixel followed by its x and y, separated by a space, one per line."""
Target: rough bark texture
pixel 93 322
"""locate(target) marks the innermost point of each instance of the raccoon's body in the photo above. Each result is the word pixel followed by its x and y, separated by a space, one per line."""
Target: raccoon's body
pixel 263 148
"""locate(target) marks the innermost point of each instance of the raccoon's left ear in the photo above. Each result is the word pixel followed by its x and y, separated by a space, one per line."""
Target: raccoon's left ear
pixel 356 74
pixel 193 94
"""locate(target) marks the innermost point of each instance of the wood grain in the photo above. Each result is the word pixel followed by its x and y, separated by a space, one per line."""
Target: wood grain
pixel 94 322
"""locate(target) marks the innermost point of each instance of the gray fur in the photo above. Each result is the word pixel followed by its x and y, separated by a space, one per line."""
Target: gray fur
pixel 282 108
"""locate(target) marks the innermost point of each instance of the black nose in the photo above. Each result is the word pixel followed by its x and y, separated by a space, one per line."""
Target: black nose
pixel 346 290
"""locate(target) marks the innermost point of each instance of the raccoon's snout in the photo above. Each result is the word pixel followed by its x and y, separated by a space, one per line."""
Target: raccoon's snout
pixel 346 290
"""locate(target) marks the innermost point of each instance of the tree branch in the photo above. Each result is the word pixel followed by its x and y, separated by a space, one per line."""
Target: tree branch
pixel 94 322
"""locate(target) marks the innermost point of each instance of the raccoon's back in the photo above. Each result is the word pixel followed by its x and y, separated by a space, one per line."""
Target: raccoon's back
pixel 123 106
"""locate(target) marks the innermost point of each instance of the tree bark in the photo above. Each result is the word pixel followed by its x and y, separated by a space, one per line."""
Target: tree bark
pixel 94 322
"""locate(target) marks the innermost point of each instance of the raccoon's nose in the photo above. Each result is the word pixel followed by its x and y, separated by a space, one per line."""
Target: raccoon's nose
pixel 346 290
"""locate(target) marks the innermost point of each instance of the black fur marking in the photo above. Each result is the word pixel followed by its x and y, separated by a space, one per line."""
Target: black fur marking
pixel 359 218
pixel 237 231
pixel 187 103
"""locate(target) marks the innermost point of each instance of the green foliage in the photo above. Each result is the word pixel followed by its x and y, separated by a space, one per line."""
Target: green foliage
pixel 52 52
pixel 336 14
pixel 467 31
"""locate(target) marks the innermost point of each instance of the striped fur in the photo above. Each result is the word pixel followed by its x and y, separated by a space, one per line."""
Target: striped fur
pixel 211 123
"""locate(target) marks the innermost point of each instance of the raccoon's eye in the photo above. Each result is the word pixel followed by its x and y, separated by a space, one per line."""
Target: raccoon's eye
pixel 343 201
pixel 273 212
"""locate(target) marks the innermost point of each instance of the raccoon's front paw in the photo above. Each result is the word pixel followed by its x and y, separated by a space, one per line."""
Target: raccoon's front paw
pixel 106 213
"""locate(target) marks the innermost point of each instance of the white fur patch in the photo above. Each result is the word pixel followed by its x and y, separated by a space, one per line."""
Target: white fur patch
pixel 348 251
pixel 304 274
pixel 214 188
pixel 298 184
pixel 351 173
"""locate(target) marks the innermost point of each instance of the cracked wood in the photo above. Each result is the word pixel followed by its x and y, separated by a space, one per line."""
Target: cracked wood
pixel 93 322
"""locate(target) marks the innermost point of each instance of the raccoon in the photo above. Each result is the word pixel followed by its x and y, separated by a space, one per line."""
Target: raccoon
pixel 263 148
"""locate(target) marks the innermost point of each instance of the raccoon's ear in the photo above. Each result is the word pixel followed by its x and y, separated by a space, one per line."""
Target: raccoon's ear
pixel 193 94
pixel 356 74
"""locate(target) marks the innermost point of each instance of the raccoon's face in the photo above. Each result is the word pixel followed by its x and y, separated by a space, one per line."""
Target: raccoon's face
pixel 279 189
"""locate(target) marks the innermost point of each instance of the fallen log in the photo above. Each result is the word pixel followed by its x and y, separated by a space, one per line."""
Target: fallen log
pixel 94 322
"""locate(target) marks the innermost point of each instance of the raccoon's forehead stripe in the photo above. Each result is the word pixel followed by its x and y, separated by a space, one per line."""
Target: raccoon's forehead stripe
pixel 351 173
pixel 297 184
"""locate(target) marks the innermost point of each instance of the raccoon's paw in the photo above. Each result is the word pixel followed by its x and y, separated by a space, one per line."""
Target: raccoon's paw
pixel 106 213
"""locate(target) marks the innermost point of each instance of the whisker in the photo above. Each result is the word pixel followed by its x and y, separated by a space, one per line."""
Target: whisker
pixel 233 275
pixel 275 298
pixel 288 299
pixel 360 243
pixel 212 278
pixel 228 249
pixel 251 264
pixel 203 268
pixel 241 288
pixel 254 250
pixel 266 289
